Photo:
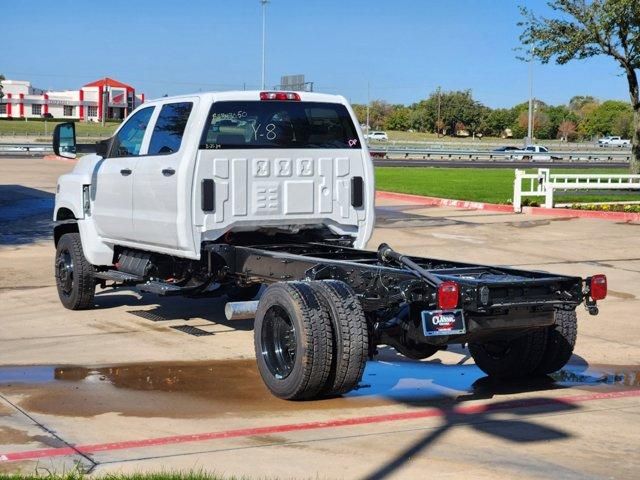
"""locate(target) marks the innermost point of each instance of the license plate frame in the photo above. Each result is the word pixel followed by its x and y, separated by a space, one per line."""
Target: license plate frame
pixel 443 322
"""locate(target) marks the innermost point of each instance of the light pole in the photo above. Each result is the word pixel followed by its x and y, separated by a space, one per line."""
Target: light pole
pixel 264 16
pixel 530 118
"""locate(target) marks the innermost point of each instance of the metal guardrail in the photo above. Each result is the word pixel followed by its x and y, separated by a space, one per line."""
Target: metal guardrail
pixel 407 153
pixel 468 154
pixel 25 148
pixel 543 184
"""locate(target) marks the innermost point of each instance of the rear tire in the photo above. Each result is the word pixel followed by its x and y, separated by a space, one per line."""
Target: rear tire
pixel 508 360
pixel 561 339
pixel 292 338
pixel 350 335
pixel 75 278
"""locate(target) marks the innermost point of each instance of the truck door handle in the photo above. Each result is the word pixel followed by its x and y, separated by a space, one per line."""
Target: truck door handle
pixel 125 172
pixel 167 172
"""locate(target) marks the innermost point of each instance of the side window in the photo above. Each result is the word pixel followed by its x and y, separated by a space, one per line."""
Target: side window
pixel 128 141
pixel 169 128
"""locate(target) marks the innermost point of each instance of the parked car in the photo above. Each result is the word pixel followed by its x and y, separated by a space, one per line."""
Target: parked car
pixel 610 141
pixel 379 136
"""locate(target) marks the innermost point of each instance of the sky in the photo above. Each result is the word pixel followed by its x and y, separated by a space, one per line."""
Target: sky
pixel 395 50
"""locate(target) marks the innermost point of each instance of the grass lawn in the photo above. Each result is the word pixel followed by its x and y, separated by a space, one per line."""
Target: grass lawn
pixel 493 185
pixel 37 128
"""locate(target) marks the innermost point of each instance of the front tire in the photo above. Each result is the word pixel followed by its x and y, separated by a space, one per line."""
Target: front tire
pixel 75 278
pixel 292 338
pixel 561 339
pixel 510 359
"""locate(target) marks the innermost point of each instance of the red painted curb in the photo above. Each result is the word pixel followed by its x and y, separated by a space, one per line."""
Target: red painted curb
pixel 495 207
pixel 443 202
pixel 60 159
pixel 477 409
pixel 597 214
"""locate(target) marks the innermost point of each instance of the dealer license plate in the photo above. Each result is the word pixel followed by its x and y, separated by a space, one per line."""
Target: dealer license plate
pixel 443 322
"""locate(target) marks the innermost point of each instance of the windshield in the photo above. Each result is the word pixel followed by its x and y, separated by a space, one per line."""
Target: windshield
pixel 279 124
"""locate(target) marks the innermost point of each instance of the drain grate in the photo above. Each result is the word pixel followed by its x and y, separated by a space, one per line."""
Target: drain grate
pixel 195 331
pixel 147 315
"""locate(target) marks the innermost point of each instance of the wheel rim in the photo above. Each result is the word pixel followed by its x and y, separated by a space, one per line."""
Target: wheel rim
pixel 64 271
pixel 278 342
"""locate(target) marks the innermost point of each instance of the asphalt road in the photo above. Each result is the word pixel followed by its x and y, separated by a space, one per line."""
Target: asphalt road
pixel 120 388
pixel 497 164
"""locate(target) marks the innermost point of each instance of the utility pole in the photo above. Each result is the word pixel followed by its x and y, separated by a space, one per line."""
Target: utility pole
pixel 368 102
pixel 530 118
pixel 264 23
pixel 439 123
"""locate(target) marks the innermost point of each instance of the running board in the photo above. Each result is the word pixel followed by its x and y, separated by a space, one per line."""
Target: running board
pixel 118 276
pixel 161 288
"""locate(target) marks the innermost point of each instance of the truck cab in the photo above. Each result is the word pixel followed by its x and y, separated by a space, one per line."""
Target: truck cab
pixel 185 170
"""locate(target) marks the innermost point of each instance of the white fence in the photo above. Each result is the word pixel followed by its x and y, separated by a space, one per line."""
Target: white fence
pixel 543 184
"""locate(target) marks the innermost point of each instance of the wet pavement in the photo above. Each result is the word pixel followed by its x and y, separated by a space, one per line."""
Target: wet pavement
pixel 218 388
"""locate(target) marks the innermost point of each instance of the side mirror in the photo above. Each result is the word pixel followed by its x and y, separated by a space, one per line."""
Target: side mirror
pixel 64 140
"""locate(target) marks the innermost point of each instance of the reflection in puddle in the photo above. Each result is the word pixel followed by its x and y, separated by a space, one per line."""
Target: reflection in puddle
pixel 206 389
pixel 411 381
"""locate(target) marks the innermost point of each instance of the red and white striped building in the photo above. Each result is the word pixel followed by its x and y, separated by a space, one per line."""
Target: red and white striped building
pixel 114 98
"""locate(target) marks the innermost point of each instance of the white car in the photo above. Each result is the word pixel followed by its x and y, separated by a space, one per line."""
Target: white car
pixel 613 142
pixel 531 152
pixel 379 136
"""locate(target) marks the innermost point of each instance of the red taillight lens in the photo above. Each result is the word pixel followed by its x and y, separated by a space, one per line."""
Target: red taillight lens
pixel 598 287
pixel 280 96
pixel 448 293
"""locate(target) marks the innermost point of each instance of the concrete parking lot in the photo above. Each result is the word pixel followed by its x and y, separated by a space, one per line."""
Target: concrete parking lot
pixel 121 389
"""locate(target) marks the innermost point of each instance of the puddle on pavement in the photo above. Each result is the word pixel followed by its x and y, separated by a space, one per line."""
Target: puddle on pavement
pixel 234 387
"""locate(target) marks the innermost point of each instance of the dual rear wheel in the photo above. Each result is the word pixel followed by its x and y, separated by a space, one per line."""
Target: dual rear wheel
pixel 311 339
pixel 538 352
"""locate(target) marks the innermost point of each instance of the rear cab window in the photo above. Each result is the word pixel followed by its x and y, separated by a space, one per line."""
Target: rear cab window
pixel 169 128
pixel 278 124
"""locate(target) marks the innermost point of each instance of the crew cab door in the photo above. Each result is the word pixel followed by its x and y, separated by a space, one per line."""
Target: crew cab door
pixel 112 185
pixel 160 215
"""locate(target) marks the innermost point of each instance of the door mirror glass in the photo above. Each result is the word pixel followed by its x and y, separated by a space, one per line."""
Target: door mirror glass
pixel 64 140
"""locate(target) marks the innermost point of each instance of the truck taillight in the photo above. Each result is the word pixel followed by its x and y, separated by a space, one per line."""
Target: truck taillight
pixel 598 287
pixel 280 96
pixel 448 293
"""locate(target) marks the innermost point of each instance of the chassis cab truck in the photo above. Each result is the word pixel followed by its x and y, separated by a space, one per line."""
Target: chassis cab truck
pixel 220 194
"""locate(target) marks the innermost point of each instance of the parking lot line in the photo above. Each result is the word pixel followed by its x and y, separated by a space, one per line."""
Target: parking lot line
pixel 476 409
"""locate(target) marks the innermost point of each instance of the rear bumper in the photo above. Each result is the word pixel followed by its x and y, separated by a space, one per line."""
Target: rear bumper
pixel 481 327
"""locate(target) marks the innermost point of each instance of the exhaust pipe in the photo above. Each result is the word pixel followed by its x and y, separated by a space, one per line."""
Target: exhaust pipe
pixel 241 310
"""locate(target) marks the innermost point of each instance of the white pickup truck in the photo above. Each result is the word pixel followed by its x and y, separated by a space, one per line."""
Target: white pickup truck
pixel 219 194
pixel 613 142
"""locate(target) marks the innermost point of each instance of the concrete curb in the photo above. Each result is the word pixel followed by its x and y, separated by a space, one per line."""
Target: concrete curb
pixel 494 207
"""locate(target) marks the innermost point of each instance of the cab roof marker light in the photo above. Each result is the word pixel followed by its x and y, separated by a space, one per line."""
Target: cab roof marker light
pixel 280 96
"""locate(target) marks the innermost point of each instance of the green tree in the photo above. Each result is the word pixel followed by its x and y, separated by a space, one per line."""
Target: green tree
pixel 497 121
pixel 612 117
pixel 399 118
pixel 583 29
